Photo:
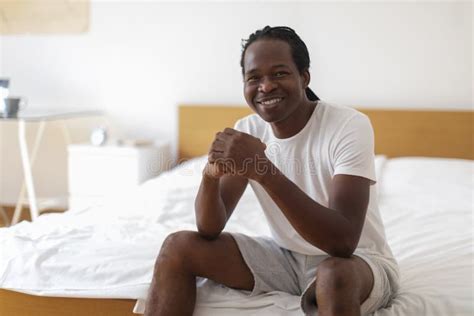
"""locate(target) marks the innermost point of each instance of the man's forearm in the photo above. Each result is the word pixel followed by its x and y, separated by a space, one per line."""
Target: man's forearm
pixel 324 228
pixel 211 215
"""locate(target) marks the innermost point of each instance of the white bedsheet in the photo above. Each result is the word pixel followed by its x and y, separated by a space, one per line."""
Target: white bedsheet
pixel 108 251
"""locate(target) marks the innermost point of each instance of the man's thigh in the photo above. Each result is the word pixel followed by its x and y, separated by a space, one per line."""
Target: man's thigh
pixel 218 259
pixel 273 268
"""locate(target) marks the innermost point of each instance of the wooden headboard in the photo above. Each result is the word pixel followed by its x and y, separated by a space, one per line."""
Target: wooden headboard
pixel 398 133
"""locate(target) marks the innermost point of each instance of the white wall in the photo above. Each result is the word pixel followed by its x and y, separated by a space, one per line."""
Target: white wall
pixel 2 172
pixel 141 59
pixel 1 56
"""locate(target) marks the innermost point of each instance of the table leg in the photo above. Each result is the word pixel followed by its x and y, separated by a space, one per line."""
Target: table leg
pixel 21 195
pixel 27 168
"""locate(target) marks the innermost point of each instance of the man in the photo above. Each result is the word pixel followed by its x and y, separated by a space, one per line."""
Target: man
pixel 311 165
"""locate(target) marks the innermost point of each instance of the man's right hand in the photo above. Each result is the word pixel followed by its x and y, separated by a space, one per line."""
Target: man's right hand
pixel 213 170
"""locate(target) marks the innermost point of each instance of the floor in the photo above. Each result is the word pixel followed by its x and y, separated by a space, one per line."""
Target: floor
pixel 25 214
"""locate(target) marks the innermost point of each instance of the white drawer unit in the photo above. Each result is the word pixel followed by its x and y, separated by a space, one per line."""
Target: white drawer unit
pixel 97 171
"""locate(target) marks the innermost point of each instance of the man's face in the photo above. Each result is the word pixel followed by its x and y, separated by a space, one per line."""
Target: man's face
pixel 273 86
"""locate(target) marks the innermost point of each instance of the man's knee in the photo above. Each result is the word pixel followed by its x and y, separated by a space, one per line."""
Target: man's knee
pixel 176 249
pixel 335 274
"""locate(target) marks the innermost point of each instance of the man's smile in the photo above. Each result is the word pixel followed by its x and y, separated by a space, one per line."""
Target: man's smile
pixel 270 101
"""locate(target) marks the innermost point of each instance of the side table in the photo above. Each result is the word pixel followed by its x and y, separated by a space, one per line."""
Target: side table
pixel 28 158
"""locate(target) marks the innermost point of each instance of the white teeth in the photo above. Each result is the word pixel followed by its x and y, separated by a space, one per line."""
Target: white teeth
pixel 272 101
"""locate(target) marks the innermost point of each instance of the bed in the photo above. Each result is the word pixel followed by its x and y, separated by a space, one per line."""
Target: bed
pixel 98 260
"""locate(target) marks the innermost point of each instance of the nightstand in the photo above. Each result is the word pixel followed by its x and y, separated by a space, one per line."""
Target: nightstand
pixel 98 171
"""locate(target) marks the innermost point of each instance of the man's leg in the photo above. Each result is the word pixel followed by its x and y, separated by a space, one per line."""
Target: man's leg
pixel 186 255
pixel 342 285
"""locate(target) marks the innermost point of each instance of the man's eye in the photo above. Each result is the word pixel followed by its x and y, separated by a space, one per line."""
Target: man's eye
pixel 280 74
pixel 251 79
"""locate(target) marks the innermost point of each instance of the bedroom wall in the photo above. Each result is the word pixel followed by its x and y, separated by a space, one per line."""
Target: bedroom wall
pixel 2 172
pixel 141 59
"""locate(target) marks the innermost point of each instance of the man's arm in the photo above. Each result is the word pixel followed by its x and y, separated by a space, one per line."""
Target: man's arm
pixel 335 229
pixel 217 198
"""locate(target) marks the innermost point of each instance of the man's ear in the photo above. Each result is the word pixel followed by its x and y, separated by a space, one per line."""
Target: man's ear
pixel 306 78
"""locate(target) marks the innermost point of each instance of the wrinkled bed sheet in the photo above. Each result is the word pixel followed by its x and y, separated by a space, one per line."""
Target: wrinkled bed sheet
pixel 108 250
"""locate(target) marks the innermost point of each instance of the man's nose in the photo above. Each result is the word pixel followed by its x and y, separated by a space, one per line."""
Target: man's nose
pixel 266 85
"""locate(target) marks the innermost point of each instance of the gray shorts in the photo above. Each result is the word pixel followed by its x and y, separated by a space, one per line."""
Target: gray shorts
pixel 278 269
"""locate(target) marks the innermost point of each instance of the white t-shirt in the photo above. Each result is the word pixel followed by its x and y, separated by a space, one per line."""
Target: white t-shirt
pixel 335 140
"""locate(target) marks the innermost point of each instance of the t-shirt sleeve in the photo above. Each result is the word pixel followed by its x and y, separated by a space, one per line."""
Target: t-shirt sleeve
pixel 353 152
pixel 239 125
pixel 244 125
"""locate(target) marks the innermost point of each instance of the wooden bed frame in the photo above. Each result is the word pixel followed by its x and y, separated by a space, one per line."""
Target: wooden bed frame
pixel 397 133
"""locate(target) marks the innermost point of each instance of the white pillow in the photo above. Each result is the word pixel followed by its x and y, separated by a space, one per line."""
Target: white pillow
pixel 405 174
pixel 440 184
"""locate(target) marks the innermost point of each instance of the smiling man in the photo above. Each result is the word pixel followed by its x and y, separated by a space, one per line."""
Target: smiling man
pixel 311 165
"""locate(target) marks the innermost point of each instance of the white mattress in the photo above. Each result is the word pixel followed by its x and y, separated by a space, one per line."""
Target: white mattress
pixel 108 251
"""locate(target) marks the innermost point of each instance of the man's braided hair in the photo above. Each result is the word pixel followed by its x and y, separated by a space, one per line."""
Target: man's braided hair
pixel 299 51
